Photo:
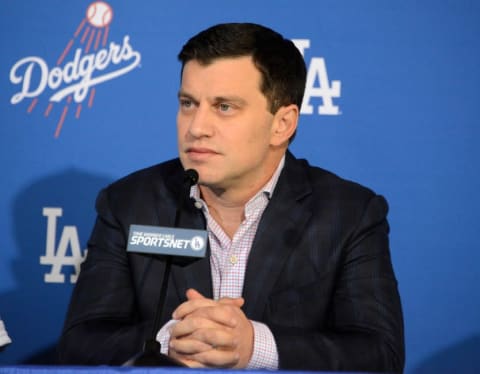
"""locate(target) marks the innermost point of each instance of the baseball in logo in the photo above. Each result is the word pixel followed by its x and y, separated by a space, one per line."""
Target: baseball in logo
pixel 87 60
pixel 99 14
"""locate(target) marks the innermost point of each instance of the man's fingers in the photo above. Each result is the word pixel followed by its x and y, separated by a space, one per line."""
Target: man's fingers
pixel 195 300
pixel 211 358
pixel 217 358
pixel 210 334
pixel 202 342
pixel 207 308
pixel 218 314
pixel 238 302
pixel 190 306
pixel 193 294
pixel 188 346
pixel 186 360
pixel 190 325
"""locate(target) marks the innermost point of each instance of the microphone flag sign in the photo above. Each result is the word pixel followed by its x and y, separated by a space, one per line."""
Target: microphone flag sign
pixel 167 241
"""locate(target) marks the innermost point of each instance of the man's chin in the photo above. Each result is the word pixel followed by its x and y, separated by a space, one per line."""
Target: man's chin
pixel 210 182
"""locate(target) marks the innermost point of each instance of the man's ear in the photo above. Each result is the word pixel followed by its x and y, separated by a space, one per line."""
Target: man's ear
pixel 284 124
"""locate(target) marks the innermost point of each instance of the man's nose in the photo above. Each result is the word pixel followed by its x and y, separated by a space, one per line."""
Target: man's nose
pixel 201 122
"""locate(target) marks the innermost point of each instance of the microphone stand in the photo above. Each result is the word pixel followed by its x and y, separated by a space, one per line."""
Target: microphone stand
pixel 151 355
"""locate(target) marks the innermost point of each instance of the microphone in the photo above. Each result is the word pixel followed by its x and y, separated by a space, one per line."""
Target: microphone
pixel 158 240
pixel 190 178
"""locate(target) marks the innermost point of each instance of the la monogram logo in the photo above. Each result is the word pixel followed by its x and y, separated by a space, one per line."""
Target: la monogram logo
pixel 57 256
pixel 317 72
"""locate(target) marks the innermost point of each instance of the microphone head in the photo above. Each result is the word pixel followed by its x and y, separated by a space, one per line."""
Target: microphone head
pixel 191 176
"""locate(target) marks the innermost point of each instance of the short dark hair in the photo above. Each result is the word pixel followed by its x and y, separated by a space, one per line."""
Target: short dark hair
pixel 280 63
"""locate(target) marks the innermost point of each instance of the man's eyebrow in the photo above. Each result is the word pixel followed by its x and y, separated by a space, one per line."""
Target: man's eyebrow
pixel 230 98
pixel 217 99
pixel 184 94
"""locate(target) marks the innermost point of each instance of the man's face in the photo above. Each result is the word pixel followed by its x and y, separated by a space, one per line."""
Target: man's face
pixel 224 126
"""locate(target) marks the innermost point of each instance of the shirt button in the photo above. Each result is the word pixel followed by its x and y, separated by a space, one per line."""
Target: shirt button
pixel 233 259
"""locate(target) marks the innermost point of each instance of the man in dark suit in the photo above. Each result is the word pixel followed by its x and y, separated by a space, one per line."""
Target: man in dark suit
pixel 298 273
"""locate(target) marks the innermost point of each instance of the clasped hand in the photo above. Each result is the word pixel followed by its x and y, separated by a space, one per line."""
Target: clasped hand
pixel 211 333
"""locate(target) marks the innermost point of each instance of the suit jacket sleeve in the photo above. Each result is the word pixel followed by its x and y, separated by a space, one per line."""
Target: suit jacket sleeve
pixel 102 324
pixel 361 327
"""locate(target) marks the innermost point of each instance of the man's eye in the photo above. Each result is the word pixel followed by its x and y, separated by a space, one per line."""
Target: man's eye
pixel 185 103
pixel 224 107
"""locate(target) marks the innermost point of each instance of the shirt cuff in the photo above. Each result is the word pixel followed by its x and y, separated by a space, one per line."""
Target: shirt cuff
pixel 163 336
pixel 265 353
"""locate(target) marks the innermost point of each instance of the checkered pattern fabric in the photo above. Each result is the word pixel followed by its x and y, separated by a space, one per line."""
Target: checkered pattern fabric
pixel 228 261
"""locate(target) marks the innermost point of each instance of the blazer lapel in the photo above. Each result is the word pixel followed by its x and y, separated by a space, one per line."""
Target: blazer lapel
pixel 280 228
pixel 187 272
pixel 195 275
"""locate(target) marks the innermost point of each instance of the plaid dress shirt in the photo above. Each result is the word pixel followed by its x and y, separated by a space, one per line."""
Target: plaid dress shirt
pixel 228 261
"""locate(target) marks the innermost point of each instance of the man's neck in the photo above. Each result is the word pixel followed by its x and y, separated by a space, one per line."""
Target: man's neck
pixel 227 213
pixel 227 206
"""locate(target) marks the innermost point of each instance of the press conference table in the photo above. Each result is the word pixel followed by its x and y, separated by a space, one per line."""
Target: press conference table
pixel 124 370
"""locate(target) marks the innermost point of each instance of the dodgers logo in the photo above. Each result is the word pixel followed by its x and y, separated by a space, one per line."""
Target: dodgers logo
pixel 87 60
pixel 57 256
pixel 197 243
pixel 318 84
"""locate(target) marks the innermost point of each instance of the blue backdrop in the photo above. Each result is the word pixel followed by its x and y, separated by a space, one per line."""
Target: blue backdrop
pixel 392 103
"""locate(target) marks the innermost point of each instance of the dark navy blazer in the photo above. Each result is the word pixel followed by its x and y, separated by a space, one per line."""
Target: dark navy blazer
pixel 319 273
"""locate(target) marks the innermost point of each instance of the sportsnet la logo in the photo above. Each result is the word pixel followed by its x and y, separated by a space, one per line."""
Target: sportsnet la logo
pixel 86 61
pixel 317 72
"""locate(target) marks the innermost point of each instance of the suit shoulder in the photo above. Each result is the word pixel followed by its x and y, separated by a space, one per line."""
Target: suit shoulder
pixel 328 182
pixel 350 201
pixel 148 184
pixel 146 177
pixel 139 195
pixel 329 189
